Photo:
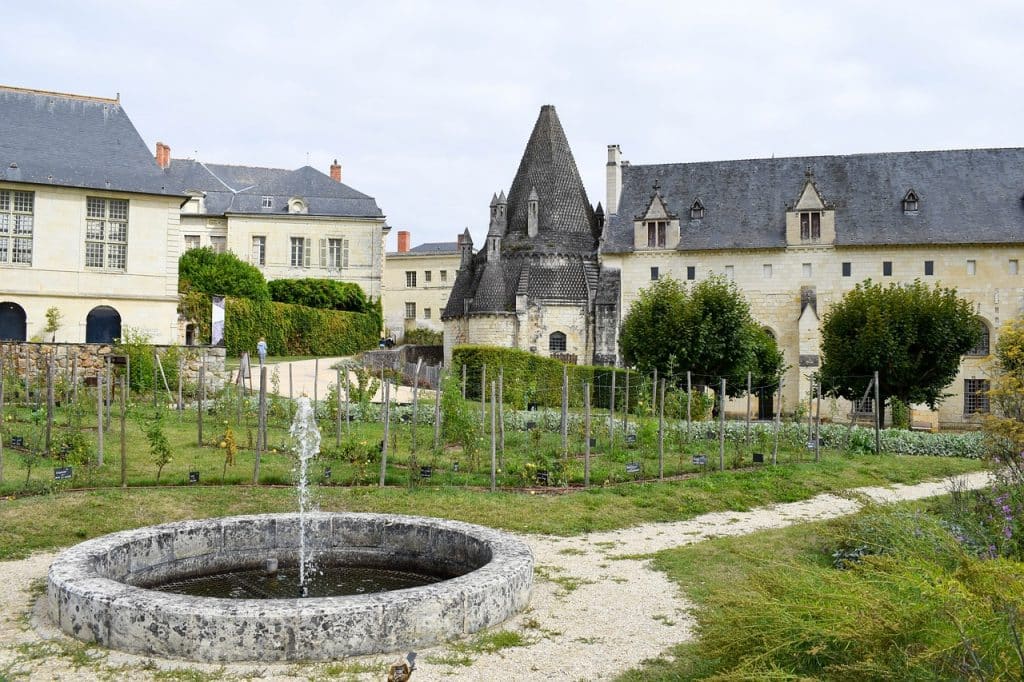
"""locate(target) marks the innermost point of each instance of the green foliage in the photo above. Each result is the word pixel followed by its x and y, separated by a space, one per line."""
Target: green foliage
pixel 220 274
pixel 297 330
pixel 705 328
pixel 136 345
pixel 54 319
pixel 912 334
pixel 159 446
pixel 326 294
pixel 422 336
pixel 459 425
pixel 531 378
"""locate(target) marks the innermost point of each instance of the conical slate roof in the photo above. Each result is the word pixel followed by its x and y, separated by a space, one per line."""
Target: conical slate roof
pixel 565 216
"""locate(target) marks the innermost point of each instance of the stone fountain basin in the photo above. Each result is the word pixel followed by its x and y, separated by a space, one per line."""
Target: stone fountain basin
pixel 97 592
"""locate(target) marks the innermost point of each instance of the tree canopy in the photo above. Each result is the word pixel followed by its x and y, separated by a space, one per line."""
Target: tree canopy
pixel 329 294
pixel 912 334
pixel 706 329
pixel 221 274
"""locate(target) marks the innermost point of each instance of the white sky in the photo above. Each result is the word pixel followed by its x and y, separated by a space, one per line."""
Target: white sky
pixel 428 105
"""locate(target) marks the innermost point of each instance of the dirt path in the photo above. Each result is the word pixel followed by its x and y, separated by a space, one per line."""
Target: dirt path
pixel 598 608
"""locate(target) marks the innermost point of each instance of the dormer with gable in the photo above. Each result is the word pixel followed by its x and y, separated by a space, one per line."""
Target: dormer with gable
pixel 656 227
pixel 811 221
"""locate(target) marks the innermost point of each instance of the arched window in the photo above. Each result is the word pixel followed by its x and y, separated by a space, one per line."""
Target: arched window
pixel 556 342
pixel 102 325
pixel 982 347
pixel 12 322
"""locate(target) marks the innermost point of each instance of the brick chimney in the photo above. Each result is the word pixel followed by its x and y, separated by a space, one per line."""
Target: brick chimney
pixel 336 171
pixel 403 241
pixel 163 155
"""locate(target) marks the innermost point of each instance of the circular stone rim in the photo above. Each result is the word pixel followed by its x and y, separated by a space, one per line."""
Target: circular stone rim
pixel 86 604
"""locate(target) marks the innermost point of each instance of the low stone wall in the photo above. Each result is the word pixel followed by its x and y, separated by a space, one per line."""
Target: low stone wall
pixel 96 589
pixel 89 359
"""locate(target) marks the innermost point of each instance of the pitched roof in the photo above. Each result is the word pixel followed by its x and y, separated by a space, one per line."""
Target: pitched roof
pixel 972 195
pixel 240 189
pixel 427 248
pixel 565 217
pixel 52 138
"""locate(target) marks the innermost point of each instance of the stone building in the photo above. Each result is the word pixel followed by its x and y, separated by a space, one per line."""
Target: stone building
pixel 88 224
pixel 534 285
pixel 417 283
pixel 288 223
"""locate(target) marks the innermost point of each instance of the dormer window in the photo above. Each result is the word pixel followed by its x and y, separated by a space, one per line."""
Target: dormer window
pixel 697 210
pixel 296 205
pixel 656 233
pixel 910 202
pixel 810 225
pixel 267 202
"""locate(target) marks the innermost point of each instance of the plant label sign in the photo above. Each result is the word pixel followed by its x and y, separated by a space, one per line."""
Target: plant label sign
pixel 193 477
pixel 455 467
pixel 758 458
pixel 542 477
pixel 327 473
pixel 62 474
pixel 700 460
pixel 593 442
pixel 632 467
pixel 811 444
pixel 630 439
pixel 426 472
pixel 17 441
pixel 531 425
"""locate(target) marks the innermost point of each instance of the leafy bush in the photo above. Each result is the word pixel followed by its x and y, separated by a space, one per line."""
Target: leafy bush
pixel 327 294
pixel 297 330
pixel 422 336
pixel 221 274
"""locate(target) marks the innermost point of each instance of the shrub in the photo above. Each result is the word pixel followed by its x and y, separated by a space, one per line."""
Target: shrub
pixel 221 274
pixel 327 294
pixel 297 330
pixel 421 336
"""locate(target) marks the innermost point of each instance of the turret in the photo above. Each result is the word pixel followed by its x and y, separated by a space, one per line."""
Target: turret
pixel 599 216
pixel 465 249
pixel 531 212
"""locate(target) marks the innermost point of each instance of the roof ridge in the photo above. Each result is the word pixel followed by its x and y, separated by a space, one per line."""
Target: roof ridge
pixel 66 95
pixel 822 156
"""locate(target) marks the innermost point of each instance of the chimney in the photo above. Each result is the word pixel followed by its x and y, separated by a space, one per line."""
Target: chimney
pixel 613 179
pixel 336 174
pixel 403 241
pixel 163 155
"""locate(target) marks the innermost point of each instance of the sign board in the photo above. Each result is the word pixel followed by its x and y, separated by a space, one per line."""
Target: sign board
pixel 700 460
pixel 118 359
pixel 217 321
pixel 632 467
pixel 193 477
pixel 17 441
pixel 810 444
pixel 630 439
pixel 593 442
pixel 542 477
pixel 758 458
pixel 426 472
pixel 62 474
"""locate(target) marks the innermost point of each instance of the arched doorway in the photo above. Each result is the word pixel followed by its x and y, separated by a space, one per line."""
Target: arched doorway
pixel 12 322
pixel 102 325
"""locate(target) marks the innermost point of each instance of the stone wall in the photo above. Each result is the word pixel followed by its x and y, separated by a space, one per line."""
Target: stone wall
pixel 90 359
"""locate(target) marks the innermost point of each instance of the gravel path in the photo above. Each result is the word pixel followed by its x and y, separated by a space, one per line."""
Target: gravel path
pixel 598 608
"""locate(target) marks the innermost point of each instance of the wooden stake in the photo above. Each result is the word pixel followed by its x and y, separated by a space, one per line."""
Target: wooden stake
pixel 1 418
pixel 501 416
pixel 721 429
pixel 611 411
pixel 565 411
pixel 483 397
pixel 463 381
pixel 415 402
pixel 124 438
pixel 261 426
pixel 689 399
pixel 878 418
pixel 50 400
pixel 748 409
pixel 625 406
pixel 586 435
pixel 778 422
pixel 337 409
pixel 437 409
pixel 387 424
pixel 494 440
pixel 200 397
pixel 348 403
pixel 316 378
pixel 100 392
pixel 817 428
pixel 661 433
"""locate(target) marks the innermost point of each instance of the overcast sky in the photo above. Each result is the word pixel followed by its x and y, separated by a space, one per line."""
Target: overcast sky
pixel 428 105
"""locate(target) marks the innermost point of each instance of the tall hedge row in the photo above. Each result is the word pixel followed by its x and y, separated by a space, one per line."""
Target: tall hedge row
pixel 328 294
pixel 530 378
pixel 297 330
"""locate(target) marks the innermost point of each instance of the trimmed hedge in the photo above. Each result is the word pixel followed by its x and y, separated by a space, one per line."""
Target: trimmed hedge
pixel 327 294
pixel 530 378
pixel 297 330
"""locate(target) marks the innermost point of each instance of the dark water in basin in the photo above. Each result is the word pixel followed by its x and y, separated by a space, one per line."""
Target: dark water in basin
pixel 329 581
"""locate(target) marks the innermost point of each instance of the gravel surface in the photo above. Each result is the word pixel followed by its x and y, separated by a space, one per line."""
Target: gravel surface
pixel 598 609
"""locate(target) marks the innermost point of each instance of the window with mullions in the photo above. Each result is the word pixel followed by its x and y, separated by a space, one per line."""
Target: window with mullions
pixel 656 234
pixel 810 225
pixel 106 233
pixel 337 253
pixel 976 396
pixel 981 348
pixel 17 210
pixel 556 342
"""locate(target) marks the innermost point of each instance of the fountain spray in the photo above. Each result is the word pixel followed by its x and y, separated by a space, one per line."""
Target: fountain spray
pixel 305 431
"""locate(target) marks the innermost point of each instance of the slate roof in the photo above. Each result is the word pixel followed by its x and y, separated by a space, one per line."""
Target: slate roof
pixel 429 248
pixel 560 263
pixel 50 138
pixel 966 196
pixel 240 189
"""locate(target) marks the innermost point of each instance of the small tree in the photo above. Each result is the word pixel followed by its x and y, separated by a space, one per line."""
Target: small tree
pixel 912 334
pixel 223 274
pixel 458 423
pixel 54 320
pixel 159 447
pixel 706 329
